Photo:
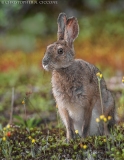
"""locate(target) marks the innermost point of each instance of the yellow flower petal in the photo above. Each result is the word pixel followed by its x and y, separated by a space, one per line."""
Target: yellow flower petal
pixel 84 146
pixel 100 76
pixel 105 119
pixel 97 120
pixel 23 102
pixel 76 131
pixel 4 128
pixel 4 138
pixel 8 126
pixel 102 116
pixel 33 141
pixel 109 117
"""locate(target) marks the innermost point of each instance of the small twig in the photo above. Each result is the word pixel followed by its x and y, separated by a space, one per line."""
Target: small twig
pixel 25 111
pixel 12 107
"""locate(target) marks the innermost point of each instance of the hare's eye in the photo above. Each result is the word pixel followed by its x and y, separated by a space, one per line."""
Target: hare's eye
pixel 60 51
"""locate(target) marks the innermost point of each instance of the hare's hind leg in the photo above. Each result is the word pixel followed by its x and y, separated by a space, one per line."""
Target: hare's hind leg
pixel 109 110
pixel 89 126
pixel 86 123
pixel 68 122
pixel 95 127
pixel 111 114
pixel 87 118
pixel 112 120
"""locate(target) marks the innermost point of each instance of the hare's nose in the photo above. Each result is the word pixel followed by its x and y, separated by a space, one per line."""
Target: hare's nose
pixel 45 61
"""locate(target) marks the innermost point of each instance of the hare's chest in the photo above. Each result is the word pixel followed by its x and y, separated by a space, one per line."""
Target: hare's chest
pixel 67 90
pixel 61 91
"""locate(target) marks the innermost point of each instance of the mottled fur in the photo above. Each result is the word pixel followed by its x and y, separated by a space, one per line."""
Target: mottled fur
pixel 75 85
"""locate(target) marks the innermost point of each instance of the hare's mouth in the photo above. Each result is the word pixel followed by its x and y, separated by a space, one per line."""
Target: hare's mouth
pixel 46 67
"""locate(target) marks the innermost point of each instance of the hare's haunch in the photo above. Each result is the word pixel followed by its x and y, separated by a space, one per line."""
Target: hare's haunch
pixel 75 85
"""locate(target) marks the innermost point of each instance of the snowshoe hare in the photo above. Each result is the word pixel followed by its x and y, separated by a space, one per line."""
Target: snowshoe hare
pixel 75 84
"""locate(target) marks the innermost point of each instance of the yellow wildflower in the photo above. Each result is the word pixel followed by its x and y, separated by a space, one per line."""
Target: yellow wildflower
pixel 4 138
pixel 104 140
pixel 29 137
pixel 109 117
pixel 4 128
pixel 105 119
pixel 84 146
pixel 23 102
pixel 81 145
pixel 97 120
pixel 8 126
pixel 98 74
pixel 76 131
pixel 33 141
pixel 122 80
pixel 102 116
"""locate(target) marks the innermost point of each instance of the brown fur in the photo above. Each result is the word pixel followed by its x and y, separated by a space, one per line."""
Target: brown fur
pixel 75 85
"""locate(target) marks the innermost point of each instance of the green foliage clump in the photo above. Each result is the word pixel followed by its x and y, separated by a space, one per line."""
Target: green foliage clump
pixel 102 26
pixel 45 143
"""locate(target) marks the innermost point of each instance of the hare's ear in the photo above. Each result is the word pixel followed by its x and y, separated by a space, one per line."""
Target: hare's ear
pixel 71 30
pixel 61 25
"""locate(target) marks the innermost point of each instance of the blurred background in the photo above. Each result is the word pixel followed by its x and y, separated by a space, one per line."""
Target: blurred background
pixel 27 27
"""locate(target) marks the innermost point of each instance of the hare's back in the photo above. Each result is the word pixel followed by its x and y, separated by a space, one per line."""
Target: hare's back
pixel 87 67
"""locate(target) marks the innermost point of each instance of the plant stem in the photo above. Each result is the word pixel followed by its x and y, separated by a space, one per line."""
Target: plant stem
pixel 12 107
pixel 100 95
pixel 25 111
pixel 123 101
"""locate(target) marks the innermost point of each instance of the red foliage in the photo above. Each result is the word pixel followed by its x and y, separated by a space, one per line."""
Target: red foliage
pixel 8 134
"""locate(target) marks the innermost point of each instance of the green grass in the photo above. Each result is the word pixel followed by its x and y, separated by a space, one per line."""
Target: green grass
pixel 31 84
